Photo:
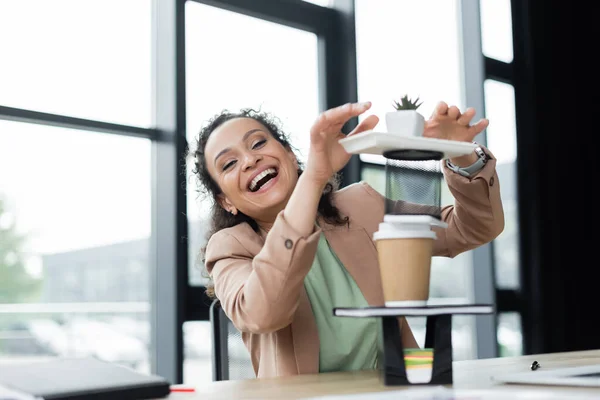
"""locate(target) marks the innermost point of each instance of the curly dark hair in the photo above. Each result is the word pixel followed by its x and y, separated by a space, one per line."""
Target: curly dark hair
pixel 220 218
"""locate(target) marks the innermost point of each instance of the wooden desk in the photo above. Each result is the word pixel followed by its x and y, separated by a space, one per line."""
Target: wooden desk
pixel 474 374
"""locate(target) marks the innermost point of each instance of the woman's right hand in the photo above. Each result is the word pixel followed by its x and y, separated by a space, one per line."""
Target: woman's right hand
pixel 326 155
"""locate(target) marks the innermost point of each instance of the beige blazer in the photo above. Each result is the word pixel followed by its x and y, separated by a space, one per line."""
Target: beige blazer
pixel 259 280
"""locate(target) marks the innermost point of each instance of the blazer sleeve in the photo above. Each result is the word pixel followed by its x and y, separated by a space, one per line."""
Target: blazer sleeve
pixel 475 218
pixel 260 292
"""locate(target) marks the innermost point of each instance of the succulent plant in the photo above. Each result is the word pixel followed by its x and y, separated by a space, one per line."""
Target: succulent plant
pixel 407 104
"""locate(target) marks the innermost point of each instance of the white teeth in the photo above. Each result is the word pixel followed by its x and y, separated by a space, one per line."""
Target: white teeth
pixel 260 176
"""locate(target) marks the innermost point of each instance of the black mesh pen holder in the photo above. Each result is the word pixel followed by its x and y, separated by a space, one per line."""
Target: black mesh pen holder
pixel 414 187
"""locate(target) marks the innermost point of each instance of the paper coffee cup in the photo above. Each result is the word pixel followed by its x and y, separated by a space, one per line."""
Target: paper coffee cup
pixel 404 248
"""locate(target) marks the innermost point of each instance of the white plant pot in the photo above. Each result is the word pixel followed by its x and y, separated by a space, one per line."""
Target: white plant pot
pixel 405 123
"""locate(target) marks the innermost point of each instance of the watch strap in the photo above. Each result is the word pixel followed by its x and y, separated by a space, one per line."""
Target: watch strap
pixel 473 168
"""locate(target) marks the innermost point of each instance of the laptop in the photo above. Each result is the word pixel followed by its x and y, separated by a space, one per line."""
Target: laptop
pixel 79 379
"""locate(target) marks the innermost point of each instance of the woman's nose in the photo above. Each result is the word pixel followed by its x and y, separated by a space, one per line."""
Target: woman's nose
pixel 250 160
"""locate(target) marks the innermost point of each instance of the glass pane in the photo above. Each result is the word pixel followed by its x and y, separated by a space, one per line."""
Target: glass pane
pixel 496 29
pixel 74 227
pixel 278 75
pixel 197 352
pixel 510 338
pixel 502 140
pixel 389 68
pixel 86 59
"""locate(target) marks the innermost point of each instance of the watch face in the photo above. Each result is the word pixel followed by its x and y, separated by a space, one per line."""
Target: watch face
pixel 481 153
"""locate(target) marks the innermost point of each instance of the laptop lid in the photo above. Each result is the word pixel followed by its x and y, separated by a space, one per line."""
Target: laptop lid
pixel 81 379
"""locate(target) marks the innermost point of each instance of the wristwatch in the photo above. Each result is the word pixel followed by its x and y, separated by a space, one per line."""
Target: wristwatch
pixel 482 159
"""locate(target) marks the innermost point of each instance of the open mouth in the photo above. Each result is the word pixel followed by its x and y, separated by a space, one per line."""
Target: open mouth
pixel 261 179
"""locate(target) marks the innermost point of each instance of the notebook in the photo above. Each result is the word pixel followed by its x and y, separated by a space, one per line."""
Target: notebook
pixel 80 379
pixel 587 376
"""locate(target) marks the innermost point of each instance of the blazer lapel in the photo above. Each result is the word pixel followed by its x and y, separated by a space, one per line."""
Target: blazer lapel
pixel 356 251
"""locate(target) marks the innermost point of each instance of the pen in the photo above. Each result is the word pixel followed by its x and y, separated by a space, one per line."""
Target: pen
pixel 182 389
pixel 535 365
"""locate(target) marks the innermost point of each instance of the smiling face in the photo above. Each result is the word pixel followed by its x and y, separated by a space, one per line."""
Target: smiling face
pixel 255 172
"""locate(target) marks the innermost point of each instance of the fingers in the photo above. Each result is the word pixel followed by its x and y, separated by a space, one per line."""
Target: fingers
pixel 440 109
pixel 479 126
pixel 453 112
pixel 340 115
pixel 366 125
pixel 467 116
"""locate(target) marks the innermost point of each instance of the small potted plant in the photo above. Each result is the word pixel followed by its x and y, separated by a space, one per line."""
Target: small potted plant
pixel 405 121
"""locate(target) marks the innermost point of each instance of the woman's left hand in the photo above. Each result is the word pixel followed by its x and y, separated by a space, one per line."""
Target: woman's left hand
pixel 449 124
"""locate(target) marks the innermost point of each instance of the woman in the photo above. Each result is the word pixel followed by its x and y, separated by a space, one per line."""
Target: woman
pixel 286 246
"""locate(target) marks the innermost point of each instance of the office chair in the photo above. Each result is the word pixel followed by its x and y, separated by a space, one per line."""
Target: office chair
pixel 231 360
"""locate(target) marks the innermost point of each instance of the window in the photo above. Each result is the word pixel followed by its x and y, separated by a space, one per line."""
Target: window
pixel 274 68
pixel 197 352
pixel 389 68
pixel 502 141
pixel 386 73
pixel 496 29
pixel 82 59
pixel 75 227
pixel 510 340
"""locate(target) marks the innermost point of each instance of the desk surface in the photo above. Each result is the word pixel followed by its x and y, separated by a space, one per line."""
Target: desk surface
pixel 473 374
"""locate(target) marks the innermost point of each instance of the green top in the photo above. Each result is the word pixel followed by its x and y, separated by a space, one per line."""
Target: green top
pixel 345 344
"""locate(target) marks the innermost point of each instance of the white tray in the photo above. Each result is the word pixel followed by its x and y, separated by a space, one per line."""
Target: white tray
pixel 371 142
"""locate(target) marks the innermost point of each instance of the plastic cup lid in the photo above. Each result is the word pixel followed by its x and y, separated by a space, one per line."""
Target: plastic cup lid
pixel 404 234
pixel 399 220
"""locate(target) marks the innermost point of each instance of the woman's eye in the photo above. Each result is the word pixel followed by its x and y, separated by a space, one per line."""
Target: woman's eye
pixel 228 165
pixel 259 144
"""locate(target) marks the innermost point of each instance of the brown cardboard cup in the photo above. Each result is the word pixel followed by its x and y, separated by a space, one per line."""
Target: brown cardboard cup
pixel 404 263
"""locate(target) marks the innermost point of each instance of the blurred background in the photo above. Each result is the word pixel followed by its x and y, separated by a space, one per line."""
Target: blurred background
pixel 101 223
